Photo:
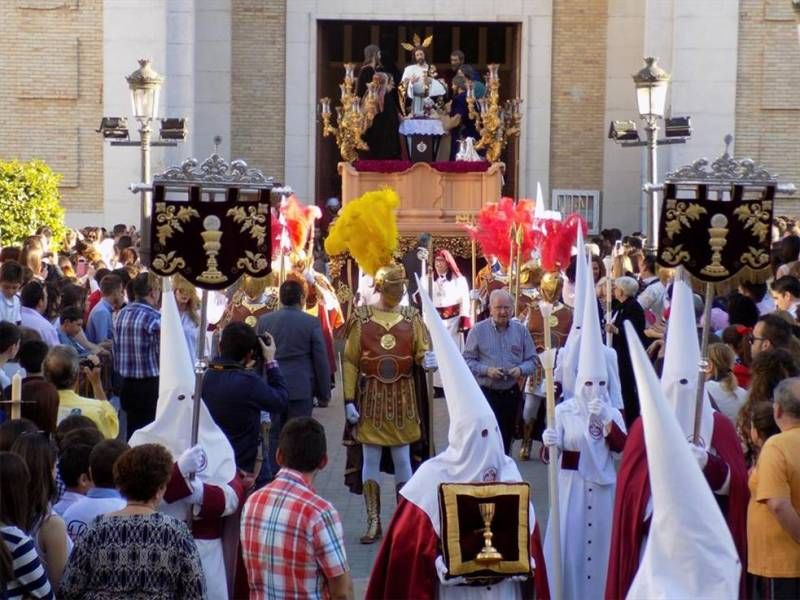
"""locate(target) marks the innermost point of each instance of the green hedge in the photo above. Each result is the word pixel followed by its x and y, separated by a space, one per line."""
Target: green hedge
pixel 29 198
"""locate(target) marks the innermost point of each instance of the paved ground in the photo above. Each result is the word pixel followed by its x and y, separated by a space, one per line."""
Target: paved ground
pixel 330 484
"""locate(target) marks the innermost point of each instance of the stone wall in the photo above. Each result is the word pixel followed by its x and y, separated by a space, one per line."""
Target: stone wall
pixel 577 128
pixel 51 83
pixel 258 83
pixel 768 91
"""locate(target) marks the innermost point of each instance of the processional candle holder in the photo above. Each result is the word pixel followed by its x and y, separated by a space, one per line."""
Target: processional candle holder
pixel 488 553
pixel 352 117
pixel 496 124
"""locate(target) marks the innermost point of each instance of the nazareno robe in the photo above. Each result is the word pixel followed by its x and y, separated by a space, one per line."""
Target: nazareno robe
pixel 633 494
pixel 405 564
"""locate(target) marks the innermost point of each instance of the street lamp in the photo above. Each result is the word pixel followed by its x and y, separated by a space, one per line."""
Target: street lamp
pixel 145 84
pixel 652 84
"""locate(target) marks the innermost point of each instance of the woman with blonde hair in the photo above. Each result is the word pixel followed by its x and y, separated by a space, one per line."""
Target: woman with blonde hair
pixel 189 309
pixel 722 387
pixel 32 256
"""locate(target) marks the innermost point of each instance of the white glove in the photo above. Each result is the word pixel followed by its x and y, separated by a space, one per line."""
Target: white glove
pixel 550 438
pixel 193 460
pixel 700 454
pixel 429 362
pixel 474 295
pixel 441 571
pixel 309 277
pixel 351 414
pixel 599 408
pixel 197 491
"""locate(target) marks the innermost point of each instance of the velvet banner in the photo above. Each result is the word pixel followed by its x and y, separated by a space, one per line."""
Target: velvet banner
pixel 717 241
pixel 210 242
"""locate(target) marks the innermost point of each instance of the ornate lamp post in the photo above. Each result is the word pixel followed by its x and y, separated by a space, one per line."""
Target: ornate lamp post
pixel 145 84
pixel 652 83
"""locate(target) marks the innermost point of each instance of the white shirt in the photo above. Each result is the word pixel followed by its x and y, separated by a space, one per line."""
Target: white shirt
pixel 96 502
pixel 67 499
pixel 32 319
pixel 766 306
pixel 728 403
pixel 9 309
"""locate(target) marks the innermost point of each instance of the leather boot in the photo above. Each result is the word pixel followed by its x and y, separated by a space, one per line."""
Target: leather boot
pixel 372 499
pixel 527 441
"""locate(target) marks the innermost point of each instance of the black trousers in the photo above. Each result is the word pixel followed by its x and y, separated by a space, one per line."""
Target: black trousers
pixel 505 405
pixel 774 588
pixel 138 398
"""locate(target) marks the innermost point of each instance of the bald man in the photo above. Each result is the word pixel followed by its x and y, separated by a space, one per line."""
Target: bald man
pixel 500 353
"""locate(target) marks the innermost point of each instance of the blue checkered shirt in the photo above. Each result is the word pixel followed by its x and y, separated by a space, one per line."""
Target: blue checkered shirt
pixel 137 335
pixel 487 346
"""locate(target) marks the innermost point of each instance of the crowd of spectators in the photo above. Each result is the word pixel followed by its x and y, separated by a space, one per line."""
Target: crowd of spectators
pixel 81 322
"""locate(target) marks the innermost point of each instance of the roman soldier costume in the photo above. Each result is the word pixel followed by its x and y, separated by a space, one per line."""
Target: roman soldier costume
pixel 385 346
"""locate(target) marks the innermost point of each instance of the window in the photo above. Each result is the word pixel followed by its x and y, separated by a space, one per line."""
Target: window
pixel 584 202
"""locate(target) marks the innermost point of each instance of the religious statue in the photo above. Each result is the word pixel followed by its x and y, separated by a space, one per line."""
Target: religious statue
pixel 419 82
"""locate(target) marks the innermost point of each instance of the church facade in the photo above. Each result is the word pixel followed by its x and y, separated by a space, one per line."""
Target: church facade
pixel 251 72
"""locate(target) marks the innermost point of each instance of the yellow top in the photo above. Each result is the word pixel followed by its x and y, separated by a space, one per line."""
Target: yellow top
pixel 771 551
pixel 100 411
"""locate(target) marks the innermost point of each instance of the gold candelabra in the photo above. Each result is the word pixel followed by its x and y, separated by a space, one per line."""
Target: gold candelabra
pixel 496 123
pixel 353 117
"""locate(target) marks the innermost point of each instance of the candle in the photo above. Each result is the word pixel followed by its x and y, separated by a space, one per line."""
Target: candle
pixel 16 396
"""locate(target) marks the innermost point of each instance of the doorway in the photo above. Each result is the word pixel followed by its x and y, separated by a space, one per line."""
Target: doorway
pixel 340 42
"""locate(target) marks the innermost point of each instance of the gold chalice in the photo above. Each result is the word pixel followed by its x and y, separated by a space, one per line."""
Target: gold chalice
pixel 489 553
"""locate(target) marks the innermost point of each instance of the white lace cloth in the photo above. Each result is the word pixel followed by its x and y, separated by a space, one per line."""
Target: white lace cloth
pixel 421 127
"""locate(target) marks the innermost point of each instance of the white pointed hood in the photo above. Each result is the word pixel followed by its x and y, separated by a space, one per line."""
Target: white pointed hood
pixel 539 210
pixel 690 552
pixel 172 427
pixel 591 355
pixel 571 348
pixel 475 447
pixel 681 360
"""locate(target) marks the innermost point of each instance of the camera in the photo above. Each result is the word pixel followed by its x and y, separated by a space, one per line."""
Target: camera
pixel 258 354
pixel 88 363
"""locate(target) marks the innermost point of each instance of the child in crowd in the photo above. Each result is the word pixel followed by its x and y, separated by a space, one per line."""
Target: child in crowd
pixel 10 282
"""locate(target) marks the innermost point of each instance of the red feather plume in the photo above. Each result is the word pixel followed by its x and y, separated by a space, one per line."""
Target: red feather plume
pixel 493 229
pixel 558 238
pixel 299 221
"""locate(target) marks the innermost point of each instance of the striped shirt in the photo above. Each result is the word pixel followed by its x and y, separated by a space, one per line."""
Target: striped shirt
pixel 137 333
pixel 29 577
pixel 487 346
pixel 292 540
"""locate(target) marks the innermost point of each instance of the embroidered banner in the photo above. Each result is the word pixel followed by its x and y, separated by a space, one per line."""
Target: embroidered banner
pixel 210 243
pixel 716 240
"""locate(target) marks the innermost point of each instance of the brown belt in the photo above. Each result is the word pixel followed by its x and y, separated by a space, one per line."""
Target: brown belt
pixel 570 460
pixel 447 312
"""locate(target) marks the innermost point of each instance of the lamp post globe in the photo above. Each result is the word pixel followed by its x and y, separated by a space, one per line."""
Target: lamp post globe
pixel 652 83
pixel 144 84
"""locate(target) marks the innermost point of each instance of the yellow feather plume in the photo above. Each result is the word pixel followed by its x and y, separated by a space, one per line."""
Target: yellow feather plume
pixel 367 228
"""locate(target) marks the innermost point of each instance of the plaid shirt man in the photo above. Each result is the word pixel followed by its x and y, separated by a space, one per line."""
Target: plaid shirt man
pixel 137 334
pixel 292 540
